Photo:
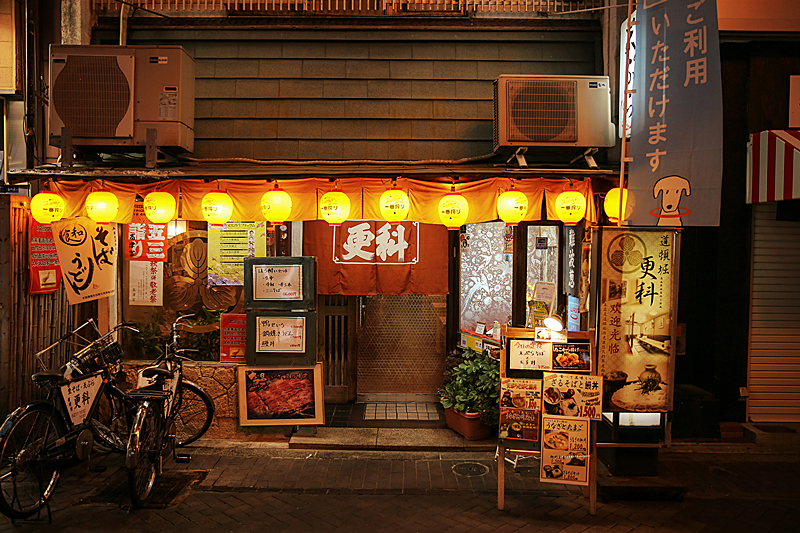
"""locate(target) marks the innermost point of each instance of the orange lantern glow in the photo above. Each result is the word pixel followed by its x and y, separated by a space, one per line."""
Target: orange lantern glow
pixel 570 206
pixel 47 207
pixel 217 207
pixel 453 210
pixel 611 204
pixel 334 206
pixel 102 206
pixel 394 204
pixel 159 207
pixel 512 206
pixel 276 204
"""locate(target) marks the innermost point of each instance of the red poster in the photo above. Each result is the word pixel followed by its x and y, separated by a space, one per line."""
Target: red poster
pixel 45 273
pixel 144 241
pixel 233 338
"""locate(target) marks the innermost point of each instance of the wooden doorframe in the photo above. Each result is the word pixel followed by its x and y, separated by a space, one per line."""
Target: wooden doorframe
pixel 337 349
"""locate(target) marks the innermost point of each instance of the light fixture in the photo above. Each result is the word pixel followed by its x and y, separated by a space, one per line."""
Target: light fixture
pixel 276 204
pixel 159 207
pixel 334 206
pixel 554 322
pixel 217 207
pixel 394 204
pixel 570 206
pixel 47 207
pixel 102 206
pixel 453 209
pixel 512 206
pixel 611 203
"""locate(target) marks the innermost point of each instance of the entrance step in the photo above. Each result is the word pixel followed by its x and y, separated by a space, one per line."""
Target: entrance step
pixel 772 433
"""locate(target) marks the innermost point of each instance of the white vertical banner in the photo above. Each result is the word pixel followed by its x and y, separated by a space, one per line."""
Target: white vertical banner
pixel 146 283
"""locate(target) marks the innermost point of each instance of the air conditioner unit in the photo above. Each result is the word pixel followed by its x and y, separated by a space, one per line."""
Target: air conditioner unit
pixel 570 111
pixel 109 96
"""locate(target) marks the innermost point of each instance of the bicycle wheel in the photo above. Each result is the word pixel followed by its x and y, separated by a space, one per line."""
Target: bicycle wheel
pixel 195 412
pixel 143 452
pixel 111 421
pixel 28 475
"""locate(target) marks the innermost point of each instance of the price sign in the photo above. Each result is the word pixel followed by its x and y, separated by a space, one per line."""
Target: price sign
pixel 530 355
pixel 274 334
pixel 573 395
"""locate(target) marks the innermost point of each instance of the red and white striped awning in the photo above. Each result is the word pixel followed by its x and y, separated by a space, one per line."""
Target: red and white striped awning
pixel 773 166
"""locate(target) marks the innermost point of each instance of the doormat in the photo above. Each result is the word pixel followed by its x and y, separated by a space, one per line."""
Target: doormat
pixel 774 429
pixel 169 486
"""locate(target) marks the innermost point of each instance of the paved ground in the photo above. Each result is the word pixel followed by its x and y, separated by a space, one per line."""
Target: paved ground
pixel 260 487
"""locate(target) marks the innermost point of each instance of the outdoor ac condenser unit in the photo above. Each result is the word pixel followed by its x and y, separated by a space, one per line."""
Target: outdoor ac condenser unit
pixel 570 111
pixel 109 96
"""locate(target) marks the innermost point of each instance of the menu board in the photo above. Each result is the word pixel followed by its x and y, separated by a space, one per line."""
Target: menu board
pixel 520 408
pixel 573 395
pixel 270 396
pixel 565 450
pixel 277 282
pixel 233 338
pixel 280 334
pixel 530 355
pixel 572 357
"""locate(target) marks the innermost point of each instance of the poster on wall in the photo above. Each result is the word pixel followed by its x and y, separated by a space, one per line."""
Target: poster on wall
pixel 565 450
pixel 45 272
pixel 146 283
pixel 574 395
pixel 232 338
pixel 635 318
pixel 289 396
pixel 144 241
pixel 228 245
pixel 87 253
pixel 541 305
pixel 520 408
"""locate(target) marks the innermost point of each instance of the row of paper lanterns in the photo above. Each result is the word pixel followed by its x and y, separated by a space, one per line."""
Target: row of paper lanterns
pixel 276 205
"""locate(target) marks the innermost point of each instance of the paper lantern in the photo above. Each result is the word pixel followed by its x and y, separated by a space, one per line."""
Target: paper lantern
pixel 334 206
pixel 570 206
pixel 47 207
pixel 394 204
pixel 159 207
pixel 611 204
pixel 217 207
pixel 453 210
pixel 512 206
pixel 102 206
pixel 276 204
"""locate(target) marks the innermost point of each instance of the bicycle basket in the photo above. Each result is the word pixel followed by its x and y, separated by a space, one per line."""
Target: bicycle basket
pixel 100 355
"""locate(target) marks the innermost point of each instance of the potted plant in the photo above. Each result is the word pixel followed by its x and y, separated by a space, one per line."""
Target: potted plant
pixel 471 397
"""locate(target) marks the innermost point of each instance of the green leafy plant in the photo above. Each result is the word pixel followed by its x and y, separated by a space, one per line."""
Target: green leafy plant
pixel 206 343
pixel 149 342
pixel 474 387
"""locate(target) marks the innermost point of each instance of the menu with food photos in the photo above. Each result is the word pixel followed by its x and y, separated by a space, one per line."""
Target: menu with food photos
pixel 565 450
pixel 520 408
pixel 573 395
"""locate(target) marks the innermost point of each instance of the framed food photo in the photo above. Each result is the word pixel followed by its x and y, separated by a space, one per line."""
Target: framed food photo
pixel 281 396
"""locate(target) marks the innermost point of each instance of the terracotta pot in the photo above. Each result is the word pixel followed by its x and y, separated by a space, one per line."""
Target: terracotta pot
pixel 469 425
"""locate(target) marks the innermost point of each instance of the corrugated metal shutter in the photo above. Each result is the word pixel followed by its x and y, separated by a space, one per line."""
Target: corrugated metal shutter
pixel 774 352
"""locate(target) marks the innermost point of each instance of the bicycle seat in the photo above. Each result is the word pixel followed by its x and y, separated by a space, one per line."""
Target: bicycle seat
pixel 154 371
pixel 45 377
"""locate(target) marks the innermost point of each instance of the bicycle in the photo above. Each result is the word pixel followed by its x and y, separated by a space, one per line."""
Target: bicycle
pixel 163 393
pixel 41 438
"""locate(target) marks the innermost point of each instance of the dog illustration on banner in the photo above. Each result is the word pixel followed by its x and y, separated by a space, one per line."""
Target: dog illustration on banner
pixel 671 189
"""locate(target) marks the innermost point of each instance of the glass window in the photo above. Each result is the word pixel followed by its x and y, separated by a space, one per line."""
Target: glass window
pixel 486 274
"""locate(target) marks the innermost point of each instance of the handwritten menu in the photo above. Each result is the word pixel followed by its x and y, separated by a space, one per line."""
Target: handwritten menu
pixel 520 408
pixel 573 395
pixel 280 334
pixel 530 355
pixel 565 450
pixel 277 282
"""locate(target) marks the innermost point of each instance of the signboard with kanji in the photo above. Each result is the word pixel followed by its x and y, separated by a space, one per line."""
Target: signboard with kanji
pixel 145 241
pixel 565 450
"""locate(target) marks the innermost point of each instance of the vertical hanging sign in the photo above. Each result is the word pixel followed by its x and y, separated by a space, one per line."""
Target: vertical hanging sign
pixel 87 251
pixel 635 318
pixel 676 131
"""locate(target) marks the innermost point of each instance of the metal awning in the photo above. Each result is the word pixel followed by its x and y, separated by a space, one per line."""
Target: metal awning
pixel 773 166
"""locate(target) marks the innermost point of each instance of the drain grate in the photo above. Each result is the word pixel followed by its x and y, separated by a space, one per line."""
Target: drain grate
pixel 470 469
pixel 169 485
